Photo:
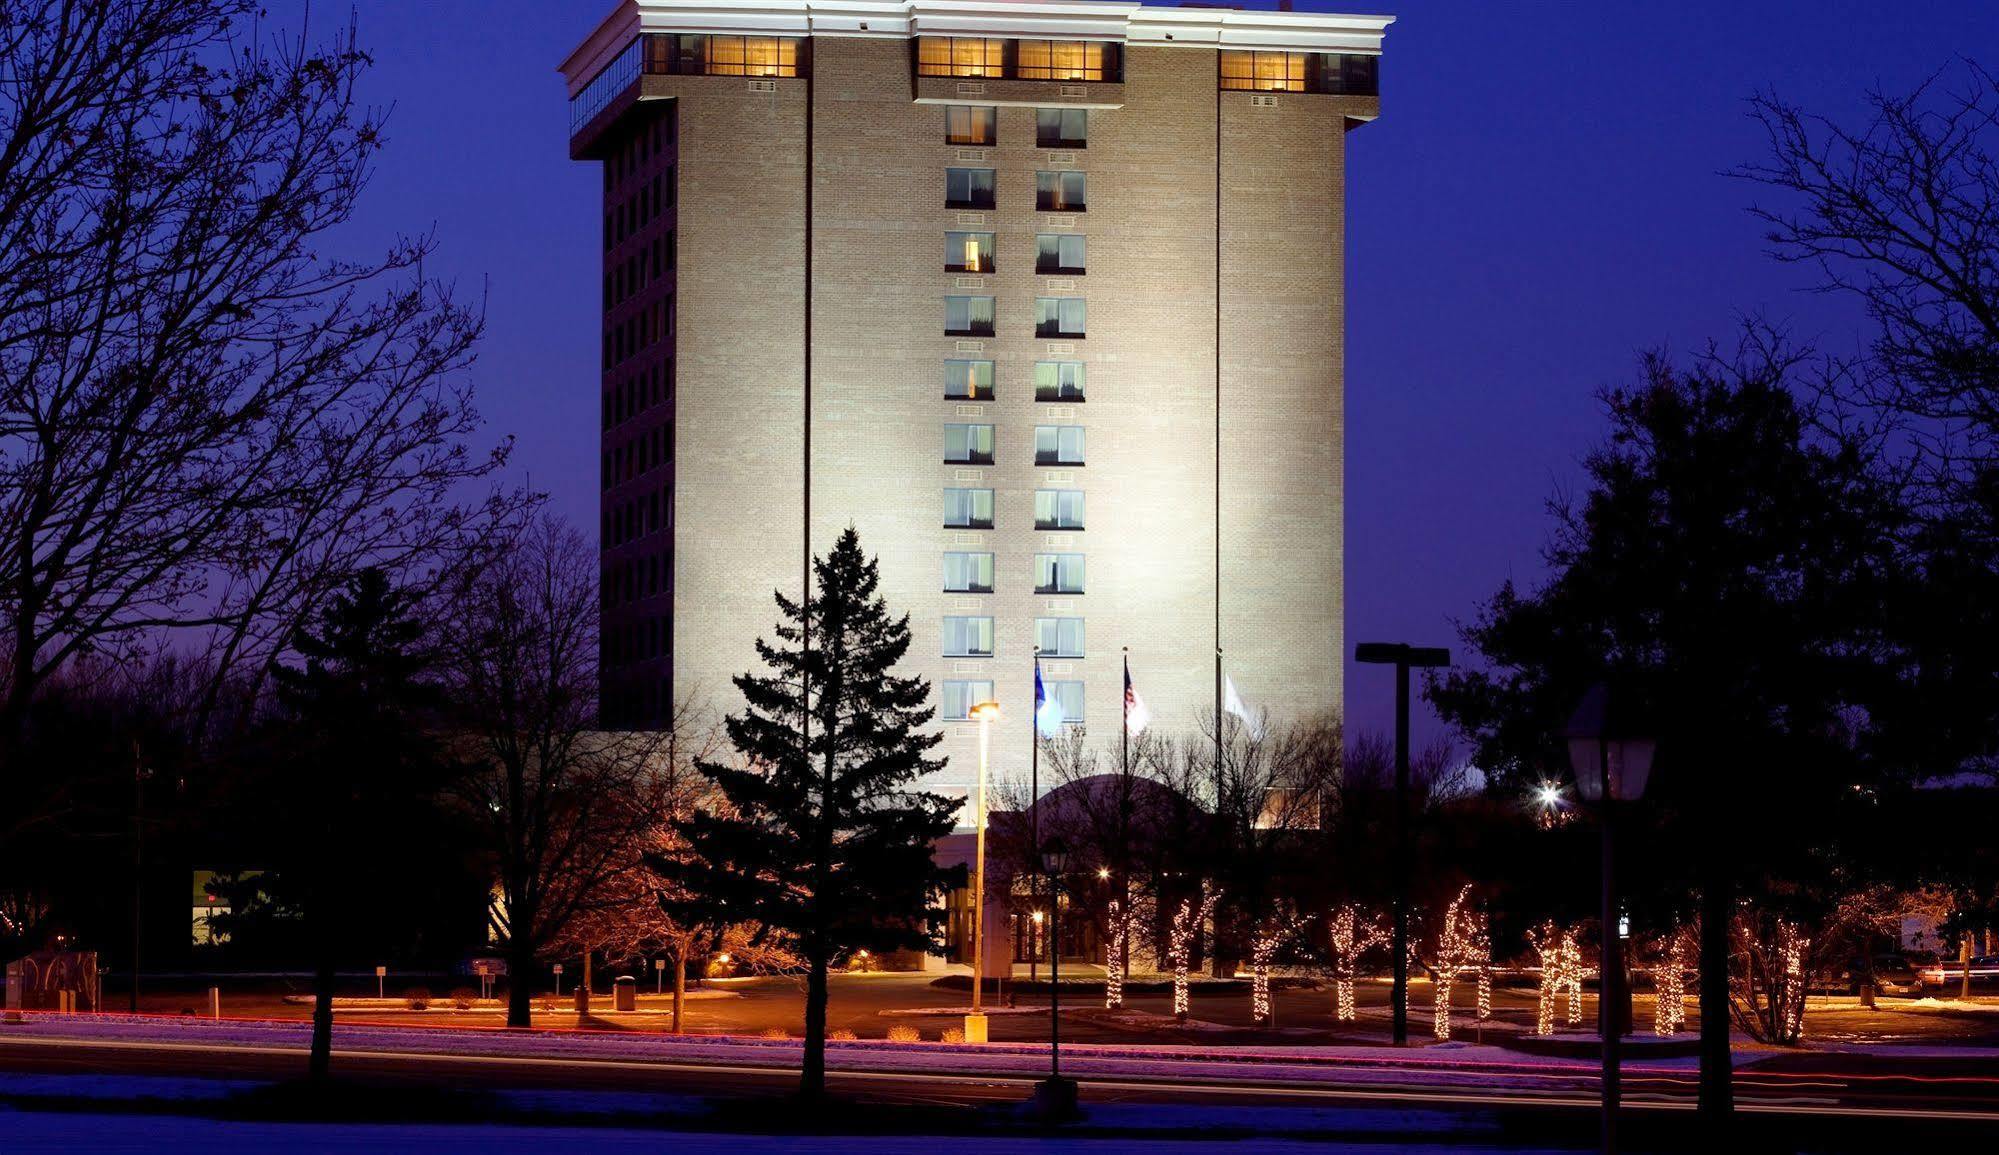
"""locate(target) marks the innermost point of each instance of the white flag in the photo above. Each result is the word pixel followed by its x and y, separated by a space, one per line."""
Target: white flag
pixel 1233 703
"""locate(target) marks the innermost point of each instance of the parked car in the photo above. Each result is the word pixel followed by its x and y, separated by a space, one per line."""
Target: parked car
pixel 1893 975
pixel 1949 972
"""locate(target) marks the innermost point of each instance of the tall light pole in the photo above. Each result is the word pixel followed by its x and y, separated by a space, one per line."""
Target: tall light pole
pixel 975 1023
pixel 1611 766
pixel 1402 656
pixel 1055 1096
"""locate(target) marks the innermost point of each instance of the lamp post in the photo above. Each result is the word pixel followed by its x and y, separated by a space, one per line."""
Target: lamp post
pixel 1055 1096
pixel 975 1023
pixel 1402 656
pixel 1611 765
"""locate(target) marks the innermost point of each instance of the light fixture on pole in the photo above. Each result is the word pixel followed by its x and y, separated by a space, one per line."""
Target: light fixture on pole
pixel 1055 1096
pixel 1612 765
pixel 975 1023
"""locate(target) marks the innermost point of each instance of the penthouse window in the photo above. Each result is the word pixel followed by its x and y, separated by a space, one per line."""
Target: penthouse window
pixel 1059 638
pixel 968 573
pixel 968 252
pixel 1058 573
pixel 968 509
pixel 968 316
pixel 1058 509
pixel 1058 317
pixel 1325 72
pixel 968 380
pixel 960 56
pixel 1059 253
pixel 968 188
pixel 1060 192
pixel 722 55
pixel 1058 445
pixel 970 124
pixel 1061 127
pixel 1066 60
pixel 968 637
pixel 968 445
pixel 1058 380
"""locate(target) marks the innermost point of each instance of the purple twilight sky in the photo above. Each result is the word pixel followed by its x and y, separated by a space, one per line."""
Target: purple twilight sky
pixel 1540 199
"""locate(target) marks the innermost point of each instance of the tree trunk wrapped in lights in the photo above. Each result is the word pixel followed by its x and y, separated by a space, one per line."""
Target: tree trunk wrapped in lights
pixel 1561 975
pixel 1187 921
pixel 1463 945
pixel 1352 937
pixel 1771 964
pixel 1669 981
pixel 1263 947
pixel 1120 933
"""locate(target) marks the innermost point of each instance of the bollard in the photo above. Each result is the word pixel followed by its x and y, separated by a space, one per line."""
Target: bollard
pixel 215 1002
pixel 626 992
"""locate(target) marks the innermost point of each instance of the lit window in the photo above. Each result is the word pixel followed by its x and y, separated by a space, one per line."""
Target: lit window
pixel 1067 60
pixel 1058 380
pixel 968 380
pixel 737 56
pixel 1058 445
pixel 1059 637
pixel 1060 192
pixel 1061 127
pixel 968 444
pixel 968 124
pixel 968 316
pixel 968 509
pixel 1055 316
pixel 1058 573
pixel 960 56
pixel 1058 509
pixel 960 697
pixel 968 188
pixel 968 252
pixel 968 573
pixel 968 637
pixel 1059 253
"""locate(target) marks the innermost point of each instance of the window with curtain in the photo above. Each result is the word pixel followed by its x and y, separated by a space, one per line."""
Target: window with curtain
pixel 1060 192
pixel 1059 637
pixel 968 509
pixel 739 55
pixel 968 252
pixel 1058 573
pixel 1058 380
pixel 968 188
pixel 960 696
pixel 968 124
pixel 1060 253
pixel 968 444
pixel 1069 696
pixel 968 380
pixel 1058 509
pixel 968 573
pixel 968 637
pixel 1265 71
pixel 1058 445
pixel 1066 60
pixel 968 316
pixel 1062 127
pixel 1057 317
pixel 960 56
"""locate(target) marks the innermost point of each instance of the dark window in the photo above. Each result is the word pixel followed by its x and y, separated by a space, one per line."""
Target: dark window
pixel 968 188
pixel 1058 381
pixel 1058 445
pixel 968 316
pixel 1058 317
pixel 1060 192
pixel 1059 253
pixel 1061 127
pixel 968 380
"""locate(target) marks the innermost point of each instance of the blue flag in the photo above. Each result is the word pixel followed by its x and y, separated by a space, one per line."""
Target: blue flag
pixel 1047 711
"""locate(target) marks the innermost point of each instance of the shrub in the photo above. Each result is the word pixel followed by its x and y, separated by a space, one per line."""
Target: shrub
pixel 464 998
pixel 545 1004
pixel 954 1034
pixel 775 1033
pixel 902 1034
pixel 841 1036
pixel 418 998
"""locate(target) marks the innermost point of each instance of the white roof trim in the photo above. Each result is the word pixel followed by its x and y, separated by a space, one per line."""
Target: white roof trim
pixel 1122 20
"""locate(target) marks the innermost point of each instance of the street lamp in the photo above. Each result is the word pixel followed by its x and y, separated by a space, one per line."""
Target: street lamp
pixel 1402 656
pixel 1611 765
pixel 1055 1096
pixel 975 1023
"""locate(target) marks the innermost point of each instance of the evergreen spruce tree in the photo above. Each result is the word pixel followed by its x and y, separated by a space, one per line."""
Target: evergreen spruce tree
pixel 823 837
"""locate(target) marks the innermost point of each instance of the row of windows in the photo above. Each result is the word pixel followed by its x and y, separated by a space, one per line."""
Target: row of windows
pixel 625 218
pixel 629 579
pixel 995 58
pixel 639 269
pixel 640 331
pixel 1061 254
pixel 722 55
pixel 972 573
pixel 958 696
pixel 638 517
pixel 637 393
pixel 1053 381
pixel 632 157
pixel 1053 509
pixel 1329 72
pixel 639 642
pixel 972 637
pixel 977 125
pixel 973 444
pixel 637 456
pixel 1060 317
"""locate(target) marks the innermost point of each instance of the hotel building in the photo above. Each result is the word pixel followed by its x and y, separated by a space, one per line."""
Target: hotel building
pixel 1045 298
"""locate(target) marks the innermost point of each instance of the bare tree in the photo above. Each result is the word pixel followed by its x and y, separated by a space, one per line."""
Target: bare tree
pixel 206 423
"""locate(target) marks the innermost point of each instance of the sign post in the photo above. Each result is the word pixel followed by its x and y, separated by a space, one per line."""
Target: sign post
pixel 381 982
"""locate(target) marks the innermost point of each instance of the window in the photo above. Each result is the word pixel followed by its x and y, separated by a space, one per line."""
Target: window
pixel 1059 253
pixel 1058 509
pixel 1059 192
pixel 968 637
pixel 1353 75
pixel 968 252
pixel 1059 637
pixel 1058 445
pixel 1068 697
pixel 960 697
pixel 1058 380
pixel 1057 573
pixel 968 573
pixel 960 56
pixel 968 380
pixel 969 316
pixel 731 56
pixel 1053 316
pixel 1061 127
pixel 968 444
pixel 968 188
pixel 968 124
pixel 1066 60
pixel 968 509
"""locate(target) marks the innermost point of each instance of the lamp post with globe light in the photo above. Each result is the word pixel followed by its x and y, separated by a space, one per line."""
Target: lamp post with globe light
pixel 975 1023
pixel 1611 765
pixel 1055 1096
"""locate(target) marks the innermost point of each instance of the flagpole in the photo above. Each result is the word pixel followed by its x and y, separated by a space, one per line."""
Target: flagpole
pixel 1034 822
pixel 1218 729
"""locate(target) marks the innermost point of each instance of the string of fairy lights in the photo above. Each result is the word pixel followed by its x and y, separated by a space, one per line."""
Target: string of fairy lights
pixel 1352 936
pixel 1464 946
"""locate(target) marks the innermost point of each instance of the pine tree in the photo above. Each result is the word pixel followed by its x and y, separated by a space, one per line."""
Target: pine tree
pixel 824 837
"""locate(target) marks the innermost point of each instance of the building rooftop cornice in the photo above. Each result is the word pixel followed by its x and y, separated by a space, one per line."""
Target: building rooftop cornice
pixel 1118 20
